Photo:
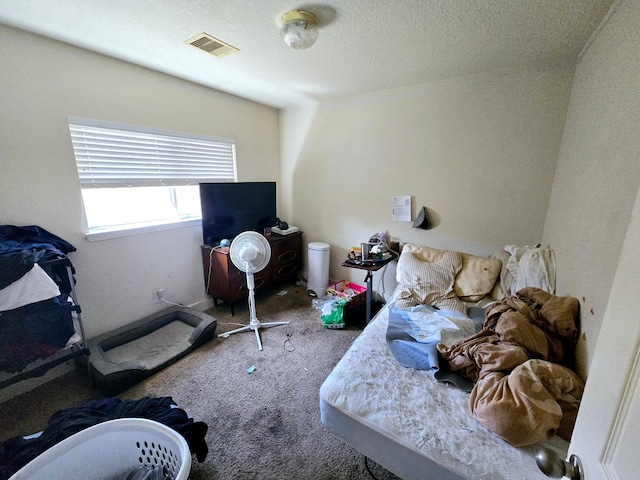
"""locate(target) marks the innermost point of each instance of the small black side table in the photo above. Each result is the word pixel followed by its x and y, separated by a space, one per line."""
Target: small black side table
pixel 369 266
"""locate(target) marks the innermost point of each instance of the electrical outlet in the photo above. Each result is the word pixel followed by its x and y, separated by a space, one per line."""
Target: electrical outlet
pixel 159 294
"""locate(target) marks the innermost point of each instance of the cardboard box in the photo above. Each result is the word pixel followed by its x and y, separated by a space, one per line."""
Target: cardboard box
pixel 351 291
pixel 353 312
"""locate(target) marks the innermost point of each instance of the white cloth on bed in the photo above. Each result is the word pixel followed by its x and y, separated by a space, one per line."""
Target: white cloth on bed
pixel 414 332
pixel 34 286
pixel 432 325
pixel 532 267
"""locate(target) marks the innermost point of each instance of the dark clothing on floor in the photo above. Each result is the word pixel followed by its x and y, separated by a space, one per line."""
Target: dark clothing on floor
pixel 17 452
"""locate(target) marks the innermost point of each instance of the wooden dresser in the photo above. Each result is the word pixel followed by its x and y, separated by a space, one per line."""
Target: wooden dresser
pixel 223 281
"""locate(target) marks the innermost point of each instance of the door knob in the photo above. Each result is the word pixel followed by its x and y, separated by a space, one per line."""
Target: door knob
pixel 550 463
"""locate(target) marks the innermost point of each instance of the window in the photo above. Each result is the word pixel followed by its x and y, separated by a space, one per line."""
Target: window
pixel 137 177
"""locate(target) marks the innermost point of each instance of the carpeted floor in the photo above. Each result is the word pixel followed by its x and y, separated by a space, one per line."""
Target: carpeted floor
pixel 262 425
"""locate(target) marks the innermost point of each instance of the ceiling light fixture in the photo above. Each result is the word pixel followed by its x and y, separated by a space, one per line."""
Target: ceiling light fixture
pixel 299 29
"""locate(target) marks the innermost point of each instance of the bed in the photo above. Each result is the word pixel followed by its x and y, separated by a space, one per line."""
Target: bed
pixel 404 418
pixel 40 319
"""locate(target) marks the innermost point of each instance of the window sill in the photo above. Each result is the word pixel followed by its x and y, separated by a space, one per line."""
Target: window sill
pixel 97 236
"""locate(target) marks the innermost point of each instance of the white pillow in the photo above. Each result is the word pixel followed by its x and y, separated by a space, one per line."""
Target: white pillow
pixel 429 283
pixel 475 279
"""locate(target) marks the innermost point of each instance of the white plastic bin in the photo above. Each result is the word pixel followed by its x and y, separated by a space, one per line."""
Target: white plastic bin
pixel 318 266
pixel 109 449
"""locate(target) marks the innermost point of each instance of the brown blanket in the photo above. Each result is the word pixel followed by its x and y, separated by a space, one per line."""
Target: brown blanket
pixel 524 391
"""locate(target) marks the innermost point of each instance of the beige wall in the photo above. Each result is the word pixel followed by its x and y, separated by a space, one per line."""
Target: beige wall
pixel 42 82
pixel 478 151
pixel 598 172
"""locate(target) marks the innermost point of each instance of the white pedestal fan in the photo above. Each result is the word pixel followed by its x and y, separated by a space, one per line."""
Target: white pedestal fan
pixel 250 252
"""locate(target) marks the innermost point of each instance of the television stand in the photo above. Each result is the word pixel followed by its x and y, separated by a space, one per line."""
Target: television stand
pixel 223 281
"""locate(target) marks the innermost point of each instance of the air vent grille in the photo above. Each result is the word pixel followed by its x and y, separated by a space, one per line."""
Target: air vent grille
pixel 211 45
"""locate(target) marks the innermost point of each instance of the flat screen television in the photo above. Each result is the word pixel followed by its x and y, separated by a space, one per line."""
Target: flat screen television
pixel 232 208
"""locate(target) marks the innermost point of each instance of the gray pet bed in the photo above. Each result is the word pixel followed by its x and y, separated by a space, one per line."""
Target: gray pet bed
pixel 123 357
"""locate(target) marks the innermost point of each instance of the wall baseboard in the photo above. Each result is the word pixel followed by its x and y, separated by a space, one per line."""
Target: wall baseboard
pixel 202 305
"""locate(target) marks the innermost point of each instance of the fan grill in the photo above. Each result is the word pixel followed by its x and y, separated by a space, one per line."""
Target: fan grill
pixel 250 252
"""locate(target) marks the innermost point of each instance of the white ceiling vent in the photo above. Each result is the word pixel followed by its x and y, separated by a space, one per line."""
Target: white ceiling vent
pixel 211 45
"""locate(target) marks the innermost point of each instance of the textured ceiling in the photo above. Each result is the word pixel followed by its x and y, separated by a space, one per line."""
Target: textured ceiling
pixel 364 45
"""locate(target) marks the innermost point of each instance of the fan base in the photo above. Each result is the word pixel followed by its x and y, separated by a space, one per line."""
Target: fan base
pixel 255 325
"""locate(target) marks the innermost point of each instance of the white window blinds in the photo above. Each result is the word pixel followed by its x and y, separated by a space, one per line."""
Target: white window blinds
pixel 116 155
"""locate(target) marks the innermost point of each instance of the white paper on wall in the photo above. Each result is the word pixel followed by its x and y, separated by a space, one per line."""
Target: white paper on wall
pixel 402 209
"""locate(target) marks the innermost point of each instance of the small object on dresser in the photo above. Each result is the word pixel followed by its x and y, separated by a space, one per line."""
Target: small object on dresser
pixel 281 224
pixel 290 229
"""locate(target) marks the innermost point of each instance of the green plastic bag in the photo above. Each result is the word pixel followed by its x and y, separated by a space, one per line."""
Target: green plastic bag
pixel 332 313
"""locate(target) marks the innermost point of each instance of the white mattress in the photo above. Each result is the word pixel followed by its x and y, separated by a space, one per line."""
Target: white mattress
pixel 406 421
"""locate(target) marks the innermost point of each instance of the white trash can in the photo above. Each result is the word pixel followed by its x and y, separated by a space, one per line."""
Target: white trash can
pixel 318 266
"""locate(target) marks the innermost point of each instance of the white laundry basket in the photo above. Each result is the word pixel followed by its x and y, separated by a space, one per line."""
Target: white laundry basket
pixel 110 450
